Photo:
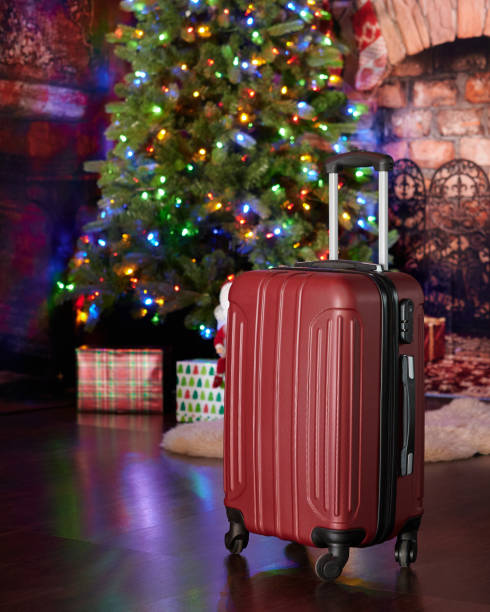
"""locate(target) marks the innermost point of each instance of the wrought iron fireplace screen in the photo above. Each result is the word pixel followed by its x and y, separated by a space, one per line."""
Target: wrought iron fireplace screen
pixel 445 239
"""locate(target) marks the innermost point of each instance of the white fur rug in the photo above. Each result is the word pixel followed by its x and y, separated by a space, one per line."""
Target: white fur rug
pixel 456 431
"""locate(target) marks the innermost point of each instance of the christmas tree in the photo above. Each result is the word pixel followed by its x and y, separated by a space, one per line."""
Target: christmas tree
pixel 221 133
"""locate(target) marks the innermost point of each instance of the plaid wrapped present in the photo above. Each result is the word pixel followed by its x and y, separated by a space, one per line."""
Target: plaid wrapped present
pixel 197 400
pixel 434 338
pixel 120 380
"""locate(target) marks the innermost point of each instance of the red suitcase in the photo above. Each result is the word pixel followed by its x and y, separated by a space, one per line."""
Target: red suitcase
pixel 324 413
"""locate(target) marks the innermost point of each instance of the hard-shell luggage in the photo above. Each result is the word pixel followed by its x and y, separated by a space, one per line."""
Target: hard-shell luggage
pixel 324 405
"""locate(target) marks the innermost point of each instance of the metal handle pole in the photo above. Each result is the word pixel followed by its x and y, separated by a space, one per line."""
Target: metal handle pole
pixel 333 212
pixel 383 219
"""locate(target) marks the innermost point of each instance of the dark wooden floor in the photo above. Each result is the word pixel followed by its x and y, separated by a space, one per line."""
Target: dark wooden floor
pixel 94 517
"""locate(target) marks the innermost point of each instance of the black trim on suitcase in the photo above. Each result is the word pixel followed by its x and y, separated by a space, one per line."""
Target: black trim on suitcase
pixel 323 537
pixel 389 408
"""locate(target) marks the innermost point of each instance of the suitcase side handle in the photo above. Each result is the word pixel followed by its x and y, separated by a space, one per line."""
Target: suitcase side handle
pixel 382 163
pixel 408 385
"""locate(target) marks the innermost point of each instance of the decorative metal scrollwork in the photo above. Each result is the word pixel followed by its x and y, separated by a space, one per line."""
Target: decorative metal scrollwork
pixel 457 246
pixel 407 215
pixel 445 239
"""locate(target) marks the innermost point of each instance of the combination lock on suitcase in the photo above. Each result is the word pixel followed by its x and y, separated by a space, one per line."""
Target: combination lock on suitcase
pixel 324 412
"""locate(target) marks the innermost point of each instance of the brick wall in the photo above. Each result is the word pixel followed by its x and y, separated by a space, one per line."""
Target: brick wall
pixel 55 76
pixel 435 106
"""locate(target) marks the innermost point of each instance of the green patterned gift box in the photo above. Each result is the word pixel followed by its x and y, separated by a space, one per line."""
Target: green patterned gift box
pixel 196 398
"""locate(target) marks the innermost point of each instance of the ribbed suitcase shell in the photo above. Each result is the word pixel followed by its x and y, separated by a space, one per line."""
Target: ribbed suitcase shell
pixel 302 402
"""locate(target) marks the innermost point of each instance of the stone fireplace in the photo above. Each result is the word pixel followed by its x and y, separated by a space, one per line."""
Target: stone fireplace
pixel 434 106
pixel 422 68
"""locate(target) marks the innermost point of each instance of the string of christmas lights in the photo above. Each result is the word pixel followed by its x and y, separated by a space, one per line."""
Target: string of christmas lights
pixel 225 122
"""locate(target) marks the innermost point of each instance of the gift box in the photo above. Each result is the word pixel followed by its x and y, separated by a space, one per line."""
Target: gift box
pixel 197 400
pixel 434 338
pixel 120 380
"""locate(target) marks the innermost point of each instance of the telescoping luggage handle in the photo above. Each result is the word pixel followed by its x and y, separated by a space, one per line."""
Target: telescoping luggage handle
pixel 359 159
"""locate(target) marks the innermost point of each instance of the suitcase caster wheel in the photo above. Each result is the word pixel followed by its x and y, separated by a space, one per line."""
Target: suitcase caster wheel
pixel 330 565
pixel 405 552
pixel 236 539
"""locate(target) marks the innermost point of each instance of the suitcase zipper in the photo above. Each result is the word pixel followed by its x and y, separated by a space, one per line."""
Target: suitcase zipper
pixel 389 408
